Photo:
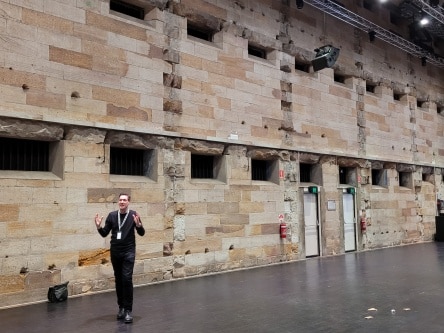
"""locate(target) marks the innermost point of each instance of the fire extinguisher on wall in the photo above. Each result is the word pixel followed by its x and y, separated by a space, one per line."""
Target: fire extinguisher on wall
pixel 363 224
pixel 283 229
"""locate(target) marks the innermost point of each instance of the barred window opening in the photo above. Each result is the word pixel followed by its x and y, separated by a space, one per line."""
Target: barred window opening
pixel 124 161
pixel 202 166
pixel 24 155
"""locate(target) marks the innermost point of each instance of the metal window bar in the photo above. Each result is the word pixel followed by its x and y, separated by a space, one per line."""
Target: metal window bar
pixel 304 173
pixel 259 170
pixel 202 166
pixel 24 155
pixel 124 161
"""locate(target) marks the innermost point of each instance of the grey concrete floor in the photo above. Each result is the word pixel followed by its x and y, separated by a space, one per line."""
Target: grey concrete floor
pixel 355 292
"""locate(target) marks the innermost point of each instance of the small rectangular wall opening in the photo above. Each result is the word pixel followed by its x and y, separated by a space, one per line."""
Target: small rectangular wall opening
pixel 347 176
pixel 405 179
pixel 132 162
pixel 24 155
pixel 370 87
pixel 196 31
pixel 379 177
pixel 302 66
pixel 265 170
pixel 257 51
pixel 127 8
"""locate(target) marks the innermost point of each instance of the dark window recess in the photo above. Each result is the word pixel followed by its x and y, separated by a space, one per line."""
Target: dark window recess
pixel 404 179
pixel 200 33
pixel 397 97
pixel 370 87
pixel 427 177
pixel 301 66
pixel 127 9
pixel 342 175
pixel 304 173
pixel 260 170
pixel 339 78
pixel 379 177
pixel 257 52
pixel 24 155
pixel 124 161
pixel 202 166
pixel 419 103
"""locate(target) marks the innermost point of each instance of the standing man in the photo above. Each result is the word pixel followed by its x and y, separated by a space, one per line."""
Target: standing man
pixel 121 223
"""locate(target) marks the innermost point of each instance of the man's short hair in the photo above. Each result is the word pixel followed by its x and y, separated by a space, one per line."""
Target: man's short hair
pixel 129 197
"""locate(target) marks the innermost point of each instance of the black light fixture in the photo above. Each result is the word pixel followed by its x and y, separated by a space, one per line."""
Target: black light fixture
pixel 299 4
pixel 326 57
pixel 423 61
pixel 371 35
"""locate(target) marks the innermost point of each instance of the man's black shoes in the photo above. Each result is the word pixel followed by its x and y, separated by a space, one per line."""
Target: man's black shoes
pixel 128 317
pixel 125 315
pixel 121 314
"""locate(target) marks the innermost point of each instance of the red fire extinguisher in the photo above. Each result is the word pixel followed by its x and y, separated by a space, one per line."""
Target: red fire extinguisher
pixel 283 229
pixel 363 224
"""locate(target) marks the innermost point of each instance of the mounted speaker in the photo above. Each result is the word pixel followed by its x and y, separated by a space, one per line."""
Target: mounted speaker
pixel 326 57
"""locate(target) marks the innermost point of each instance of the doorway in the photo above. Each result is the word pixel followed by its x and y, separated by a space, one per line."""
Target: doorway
pixel 311 222
pixel 349 217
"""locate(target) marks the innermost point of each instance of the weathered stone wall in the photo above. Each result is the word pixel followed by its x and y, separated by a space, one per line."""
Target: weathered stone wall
pixel 86 79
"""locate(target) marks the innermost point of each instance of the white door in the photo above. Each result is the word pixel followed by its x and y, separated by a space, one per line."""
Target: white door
pixel 348 206
pixel 311 225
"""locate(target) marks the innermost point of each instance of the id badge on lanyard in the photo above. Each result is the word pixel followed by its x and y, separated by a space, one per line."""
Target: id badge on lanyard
pixel 119 233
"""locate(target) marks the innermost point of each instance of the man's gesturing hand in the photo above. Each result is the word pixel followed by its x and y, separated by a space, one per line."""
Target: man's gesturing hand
pixel 98 221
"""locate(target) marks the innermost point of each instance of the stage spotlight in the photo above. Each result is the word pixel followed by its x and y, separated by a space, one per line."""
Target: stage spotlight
pixel 326 56
pixel 423 61
pixel 424 20
pixel 299 4
pixel 371 35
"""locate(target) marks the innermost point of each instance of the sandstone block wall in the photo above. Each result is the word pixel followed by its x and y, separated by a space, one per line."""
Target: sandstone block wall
pixel 88 79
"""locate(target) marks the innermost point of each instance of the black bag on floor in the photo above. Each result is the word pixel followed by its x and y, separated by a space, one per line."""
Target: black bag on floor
pixel 58 293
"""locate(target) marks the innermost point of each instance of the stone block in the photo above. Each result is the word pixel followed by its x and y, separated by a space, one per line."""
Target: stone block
pixel 251 207
pixel 112 24
pixel 11 283
pixel 171 56
pixel 71 58
pixel 106 195
pixel 116 97
pixel 170 105
pixel 9 212
pixel 222 207
pixel 130 112
pixel 13 77
pixel 42 279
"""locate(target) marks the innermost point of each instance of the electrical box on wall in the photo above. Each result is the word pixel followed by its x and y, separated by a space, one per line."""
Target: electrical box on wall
pixel 313 189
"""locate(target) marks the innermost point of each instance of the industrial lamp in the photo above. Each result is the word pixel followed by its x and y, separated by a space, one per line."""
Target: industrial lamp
pixel 326 56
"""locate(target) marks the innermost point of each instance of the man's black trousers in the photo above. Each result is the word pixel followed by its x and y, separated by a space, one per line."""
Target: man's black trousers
pixel 123 265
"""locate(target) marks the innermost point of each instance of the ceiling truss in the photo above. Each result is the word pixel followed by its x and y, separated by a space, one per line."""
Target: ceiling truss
pixel 341 13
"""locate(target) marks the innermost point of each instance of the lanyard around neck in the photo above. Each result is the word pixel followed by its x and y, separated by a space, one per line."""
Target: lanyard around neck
pixel 124 220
